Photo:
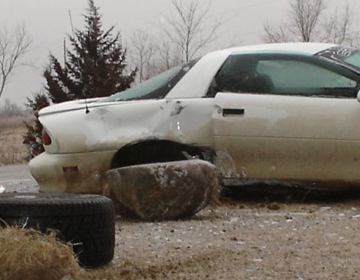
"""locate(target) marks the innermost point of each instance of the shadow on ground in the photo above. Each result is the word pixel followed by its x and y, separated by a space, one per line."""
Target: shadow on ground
pixel 265 193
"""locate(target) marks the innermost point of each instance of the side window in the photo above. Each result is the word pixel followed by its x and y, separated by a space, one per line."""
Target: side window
pixel 293 77
pixel 239 74
pixel 284 75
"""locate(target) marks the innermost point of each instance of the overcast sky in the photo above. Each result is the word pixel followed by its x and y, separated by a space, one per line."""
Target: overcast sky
pixel 48 23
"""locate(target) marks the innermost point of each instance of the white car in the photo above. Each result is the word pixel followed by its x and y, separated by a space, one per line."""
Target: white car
pixel 286 113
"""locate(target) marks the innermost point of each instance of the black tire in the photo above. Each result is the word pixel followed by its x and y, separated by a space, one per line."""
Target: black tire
pixel 88 221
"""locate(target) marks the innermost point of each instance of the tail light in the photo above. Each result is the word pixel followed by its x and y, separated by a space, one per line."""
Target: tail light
pixel 45 138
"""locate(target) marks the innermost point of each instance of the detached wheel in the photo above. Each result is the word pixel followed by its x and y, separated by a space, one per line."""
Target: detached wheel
pixel 87 221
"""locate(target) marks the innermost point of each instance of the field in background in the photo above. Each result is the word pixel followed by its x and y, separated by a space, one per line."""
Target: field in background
pixel 12 150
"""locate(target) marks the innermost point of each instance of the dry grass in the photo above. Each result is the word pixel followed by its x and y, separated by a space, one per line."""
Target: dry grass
pixel 31 255
pixel 12 150
pixel 28 254
pixel 12 123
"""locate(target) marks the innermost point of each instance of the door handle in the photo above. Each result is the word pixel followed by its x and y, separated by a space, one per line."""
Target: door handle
pixel 228 112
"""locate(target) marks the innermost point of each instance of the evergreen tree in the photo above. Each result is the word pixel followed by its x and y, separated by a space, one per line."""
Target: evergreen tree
pixel 32 138
pixel 95 67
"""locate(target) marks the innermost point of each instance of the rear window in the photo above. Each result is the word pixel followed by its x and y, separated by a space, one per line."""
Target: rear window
pixel 156 87
pixel 349 56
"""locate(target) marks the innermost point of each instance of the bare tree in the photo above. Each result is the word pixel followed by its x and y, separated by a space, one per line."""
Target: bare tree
pixel 152 57
pixel 307 22
pixel 306 15
pixel 187 27
pixel 142 52
pixel 338 28
pixel 13 45
pixel 276 35
pixel 10 109
pixel 183 34
pixel 168 55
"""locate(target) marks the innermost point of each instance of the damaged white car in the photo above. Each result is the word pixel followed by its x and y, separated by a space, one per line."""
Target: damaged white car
pixel 276 113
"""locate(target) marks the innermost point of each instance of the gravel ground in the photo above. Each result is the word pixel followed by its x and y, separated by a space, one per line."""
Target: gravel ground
pixel 246 240
pixel 252 235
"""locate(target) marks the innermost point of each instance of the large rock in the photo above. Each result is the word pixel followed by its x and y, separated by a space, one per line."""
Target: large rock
pixel 166 190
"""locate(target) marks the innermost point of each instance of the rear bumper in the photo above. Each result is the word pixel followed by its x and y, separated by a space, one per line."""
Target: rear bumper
pixel 75 173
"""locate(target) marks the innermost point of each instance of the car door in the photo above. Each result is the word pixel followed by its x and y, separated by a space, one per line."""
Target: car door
pixel 301 125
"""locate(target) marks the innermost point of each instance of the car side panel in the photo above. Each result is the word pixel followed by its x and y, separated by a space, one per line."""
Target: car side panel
pixel 75 173
pixel 119 123
pixel 287 137
pixel 84 144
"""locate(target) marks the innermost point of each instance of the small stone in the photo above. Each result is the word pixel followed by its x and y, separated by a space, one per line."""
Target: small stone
pixel 274 206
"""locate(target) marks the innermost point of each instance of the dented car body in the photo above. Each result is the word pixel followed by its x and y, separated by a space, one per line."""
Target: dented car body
pixel 284 113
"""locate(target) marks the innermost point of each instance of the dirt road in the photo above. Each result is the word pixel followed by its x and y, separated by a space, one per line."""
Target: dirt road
pixel 16 178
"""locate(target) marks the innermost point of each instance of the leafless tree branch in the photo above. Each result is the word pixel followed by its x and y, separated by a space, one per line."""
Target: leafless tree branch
pixel 338 28
pixel 14 43
pixel 307 22
pixel 187 27
pixel 275 36
pixel 142 53
pixel 306 15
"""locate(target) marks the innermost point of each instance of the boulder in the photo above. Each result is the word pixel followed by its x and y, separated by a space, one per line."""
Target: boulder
pixel 163 191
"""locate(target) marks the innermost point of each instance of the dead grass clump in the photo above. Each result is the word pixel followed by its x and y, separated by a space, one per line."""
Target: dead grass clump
pixel 14 122
pixel 28 254
pixel 12 149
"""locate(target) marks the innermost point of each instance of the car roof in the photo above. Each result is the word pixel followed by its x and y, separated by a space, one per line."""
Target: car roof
pixel 305 48
pixel 196 82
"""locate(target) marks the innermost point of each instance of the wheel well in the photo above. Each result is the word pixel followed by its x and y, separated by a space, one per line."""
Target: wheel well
pixel 152 151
